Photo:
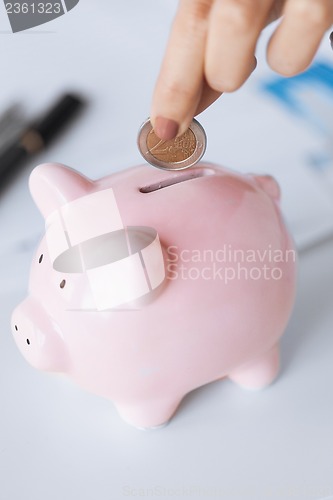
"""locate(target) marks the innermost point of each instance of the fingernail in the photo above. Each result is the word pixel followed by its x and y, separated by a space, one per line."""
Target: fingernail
pixel 165 129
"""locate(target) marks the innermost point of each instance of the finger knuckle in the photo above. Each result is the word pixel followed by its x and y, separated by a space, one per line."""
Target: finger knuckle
pixel 200 9
pixel 197 13
pixel 238 14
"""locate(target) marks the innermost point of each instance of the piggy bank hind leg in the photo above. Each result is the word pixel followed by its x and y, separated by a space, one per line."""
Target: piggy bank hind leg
pixel 259 373
pixel 148 414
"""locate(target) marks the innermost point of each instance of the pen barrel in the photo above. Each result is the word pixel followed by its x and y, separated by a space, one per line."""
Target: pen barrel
pixel 36 136
pixel 11 158
pixel 49 126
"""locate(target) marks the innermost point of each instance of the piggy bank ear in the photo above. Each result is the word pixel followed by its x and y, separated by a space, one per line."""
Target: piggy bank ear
pixel 53 185
pixel 269 185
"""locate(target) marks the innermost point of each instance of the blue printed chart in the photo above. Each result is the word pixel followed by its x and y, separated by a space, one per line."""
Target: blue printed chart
pixel 309 99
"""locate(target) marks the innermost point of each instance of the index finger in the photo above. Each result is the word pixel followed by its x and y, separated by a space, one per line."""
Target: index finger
pixel 179 85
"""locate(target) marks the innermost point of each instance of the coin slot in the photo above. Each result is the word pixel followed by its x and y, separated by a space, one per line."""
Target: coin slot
pixel 177 179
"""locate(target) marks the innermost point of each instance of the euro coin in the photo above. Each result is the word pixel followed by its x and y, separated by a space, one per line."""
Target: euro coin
pixel 176 154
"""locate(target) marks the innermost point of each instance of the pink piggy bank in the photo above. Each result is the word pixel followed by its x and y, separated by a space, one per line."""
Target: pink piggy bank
pixel 149 283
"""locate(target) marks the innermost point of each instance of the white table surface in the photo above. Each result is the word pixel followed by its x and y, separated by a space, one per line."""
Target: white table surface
pixel 59 442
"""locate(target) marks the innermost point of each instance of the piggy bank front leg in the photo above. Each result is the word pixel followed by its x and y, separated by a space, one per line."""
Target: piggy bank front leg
pixel 259 373
pixel 148 414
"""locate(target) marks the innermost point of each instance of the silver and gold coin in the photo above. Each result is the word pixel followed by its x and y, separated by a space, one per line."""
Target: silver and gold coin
pixel 176 154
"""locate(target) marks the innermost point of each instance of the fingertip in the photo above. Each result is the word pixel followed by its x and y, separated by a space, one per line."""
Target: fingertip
pixel 285 69
pixel 165 128
pixel 282 62
pixel 221 80
pixel 296 40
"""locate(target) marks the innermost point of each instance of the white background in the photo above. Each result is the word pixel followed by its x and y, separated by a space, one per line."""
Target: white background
pixel 58 442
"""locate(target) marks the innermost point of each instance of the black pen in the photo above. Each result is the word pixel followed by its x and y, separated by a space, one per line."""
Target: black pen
pixel 36 136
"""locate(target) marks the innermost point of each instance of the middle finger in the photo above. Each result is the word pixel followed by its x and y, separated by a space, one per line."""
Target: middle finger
pixel 234 28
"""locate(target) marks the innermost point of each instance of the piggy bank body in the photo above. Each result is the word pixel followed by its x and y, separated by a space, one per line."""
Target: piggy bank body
pixel 149 284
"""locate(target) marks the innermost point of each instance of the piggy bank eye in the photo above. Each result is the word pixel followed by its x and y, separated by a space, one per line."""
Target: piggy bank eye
pixel 40 259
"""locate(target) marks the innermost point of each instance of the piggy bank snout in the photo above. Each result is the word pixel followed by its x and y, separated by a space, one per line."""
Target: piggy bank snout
pixel 37 337
pixel 21 325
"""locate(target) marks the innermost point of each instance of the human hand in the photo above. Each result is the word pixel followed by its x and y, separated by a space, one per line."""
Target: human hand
pixel 211 50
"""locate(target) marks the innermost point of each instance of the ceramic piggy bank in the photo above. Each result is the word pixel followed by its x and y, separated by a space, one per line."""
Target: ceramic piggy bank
pixel 149 284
